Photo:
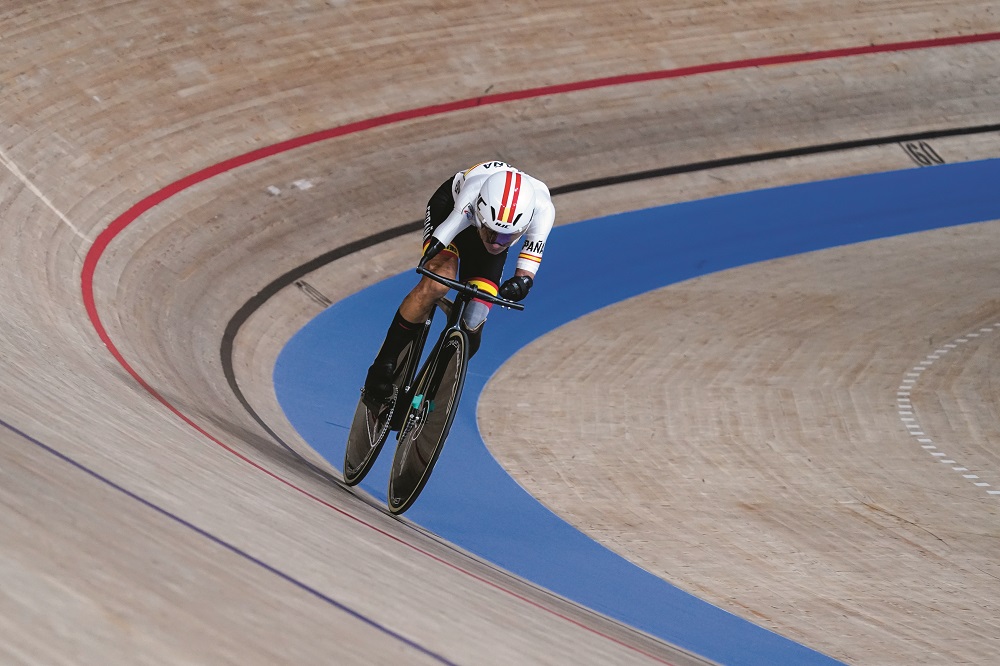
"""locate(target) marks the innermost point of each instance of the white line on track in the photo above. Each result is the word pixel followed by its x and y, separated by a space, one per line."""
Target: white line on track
pixel 907 411
pixel 9 164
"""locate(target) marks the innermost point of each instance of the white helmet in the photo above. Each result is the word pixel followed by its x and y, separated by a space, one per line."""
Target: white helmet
pixel 504 208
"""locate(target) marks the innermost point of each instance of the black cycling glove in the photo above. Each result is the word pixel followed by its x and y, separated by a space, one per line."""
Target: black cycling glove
pixel 516 288
pixel 431 251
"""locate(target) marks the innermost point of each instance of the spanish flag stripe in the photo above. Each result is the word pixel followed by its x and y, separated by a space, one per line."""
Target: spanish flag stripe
pixel 530 257
pixel 502 215
pixel 485 285
pixel 512 188
pixel 451 249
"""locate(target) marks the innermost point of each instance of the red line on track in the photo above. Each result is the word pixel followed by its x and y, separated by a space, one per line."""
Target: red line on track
pixel 119 224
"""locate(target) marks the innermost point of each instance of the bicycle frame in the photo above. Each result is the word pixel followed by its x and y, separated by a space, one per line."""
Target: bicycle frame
pixel 425 406
pixel 454 311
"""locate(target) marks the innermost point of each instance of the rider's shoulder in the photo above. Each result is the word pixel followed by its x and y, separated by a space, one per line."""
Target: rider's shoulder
pixel 471 179
pixel 476 175
pixel 487 168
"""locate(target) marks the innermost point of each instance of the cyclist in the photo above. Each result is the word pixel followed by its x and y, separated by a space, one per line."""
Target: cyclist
pixel 470 223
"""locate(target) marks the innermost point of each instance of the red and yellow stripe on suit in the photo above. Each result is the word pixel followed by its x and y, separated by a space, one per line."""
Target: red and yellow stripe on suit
pixel 530 257
pixel 451 249
pixel 487 286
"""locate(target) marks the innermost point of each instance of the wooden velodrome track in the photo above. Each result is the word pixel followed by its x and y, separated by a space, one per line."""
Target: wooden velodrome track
pixel 146 516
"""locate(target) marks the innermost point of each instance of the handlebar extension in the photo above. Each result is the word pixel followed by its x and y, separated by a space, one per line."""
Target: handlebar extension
pixel 470 290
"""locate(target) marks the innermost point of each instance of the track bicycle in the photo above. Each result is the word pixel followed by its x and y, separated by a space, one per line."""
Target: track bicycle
pixel 423 404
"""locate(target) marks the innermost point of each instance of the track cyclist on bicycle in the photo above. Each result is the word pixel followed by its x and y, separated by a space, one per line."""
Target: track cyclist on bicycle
pixel 471 222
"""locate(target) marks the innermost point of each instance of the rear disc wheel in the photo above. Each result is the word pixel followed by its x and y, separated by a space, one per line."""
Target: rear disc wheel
pixel 370 429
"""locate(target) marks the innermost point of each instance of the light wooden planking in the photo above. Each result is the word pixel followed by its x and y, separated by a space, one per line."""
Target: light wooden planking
pixel 104 103
pixel 753 414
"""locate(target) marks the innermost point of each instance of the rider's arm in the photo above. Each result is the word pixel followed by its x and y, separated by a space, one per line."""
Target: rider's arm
pixel 534 241
pixel 517 287
pixel 431 250
pixel 458 219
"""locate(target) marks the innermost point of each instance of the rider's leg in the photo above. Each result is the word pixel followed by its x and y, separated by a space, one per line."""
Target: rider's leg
pixel 406 325
pixel 485 270
pixel 417 305
pixel 474 318
pixel 475 335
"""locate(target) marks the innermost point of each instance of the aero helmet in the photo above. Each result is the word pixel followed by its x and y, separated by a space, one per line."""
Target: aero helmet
pixel 504 208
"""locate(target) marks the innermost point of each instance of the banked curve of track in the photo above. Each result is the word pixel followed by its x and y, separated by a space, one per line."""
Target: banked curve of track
pixel 108 235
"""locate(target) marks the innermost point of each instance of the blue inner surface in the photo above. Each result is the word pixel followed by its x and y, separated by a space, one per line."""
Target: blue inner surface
pixel 472 502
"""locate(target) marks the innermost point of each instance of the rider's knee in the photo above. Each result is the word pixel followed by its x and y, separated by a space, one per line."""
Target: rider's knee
pixel 444 263
pixel 475 315
pixel 429 291
pixel 473 322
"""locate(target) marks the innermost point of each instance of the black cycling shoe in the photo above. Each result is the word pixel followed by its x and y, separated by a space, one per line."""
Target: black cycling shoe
pixel 378 385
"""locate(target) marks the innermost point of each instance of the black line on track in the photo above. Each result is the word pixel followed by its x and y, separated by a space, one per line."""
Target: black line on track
pixel 768 156
pixel 247 309
pixel 244 313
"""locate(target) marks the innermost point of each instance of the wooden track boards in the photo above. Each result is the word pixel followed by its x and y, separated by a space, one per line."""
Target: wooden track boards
pixel 104 103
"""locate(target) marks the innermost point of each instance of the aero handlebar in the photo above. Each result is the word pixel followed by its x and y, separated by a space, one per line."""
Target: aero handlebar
pixel 470 290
